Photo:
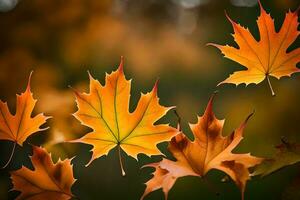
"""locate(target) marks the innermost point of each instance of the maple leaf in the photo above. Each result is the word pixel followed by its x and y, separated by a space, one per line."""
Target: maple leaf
pixel 106 110
pixel 209 150
pixel 287 154
pixel 47 180
pixel 21 125
pixel 266 57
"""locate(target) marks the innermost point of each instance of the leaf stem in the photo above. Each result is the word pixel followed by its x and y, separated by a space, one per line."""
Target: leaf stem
pixel 121 163
pixel 270 85
pixel 11 155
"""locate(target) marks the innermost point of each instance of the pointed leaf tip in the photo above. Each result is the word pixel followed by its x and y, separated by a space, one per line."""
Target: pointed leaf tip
pixel 297 10
pixel 211 99
pixel 260 6
pixel 29 81
pixel 90 75
pixel 155 87
pixel 213 44
pixel 221 83
pixel 121 65
pixel 229 19
pixel 249 116
pixel 209 107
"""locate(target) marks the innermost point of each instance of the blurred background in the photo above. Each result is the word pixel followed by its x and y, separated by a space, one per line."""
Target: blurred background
pixel 61 40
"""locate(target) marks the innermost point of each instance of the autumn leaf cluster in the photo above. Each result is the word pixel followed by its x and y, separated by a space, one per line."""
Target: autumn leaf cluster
pixel 105 110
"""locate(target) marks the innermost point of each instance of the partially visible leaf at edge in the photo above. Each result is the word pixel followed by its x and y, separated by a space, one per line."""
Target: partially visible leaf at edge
pixel 21 125
pixel 287 154
pixel 47 181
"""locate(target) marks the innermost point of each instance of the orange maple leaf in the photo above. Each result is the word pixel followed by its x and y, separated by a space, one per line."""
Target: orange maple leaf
pixel 47 180
pixel 106 110
pixel 21 125
pixel 209 150
pixel 266 57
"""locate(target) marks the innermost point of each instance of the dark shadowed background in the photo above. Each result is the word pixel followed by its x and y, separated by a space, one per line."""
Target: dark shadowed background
pixel 62 40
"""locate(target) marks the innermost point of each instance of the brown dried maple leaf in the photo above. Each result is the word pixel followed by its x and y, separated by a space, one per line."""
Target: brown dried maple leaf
pixel 47 180
pixel 209 150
